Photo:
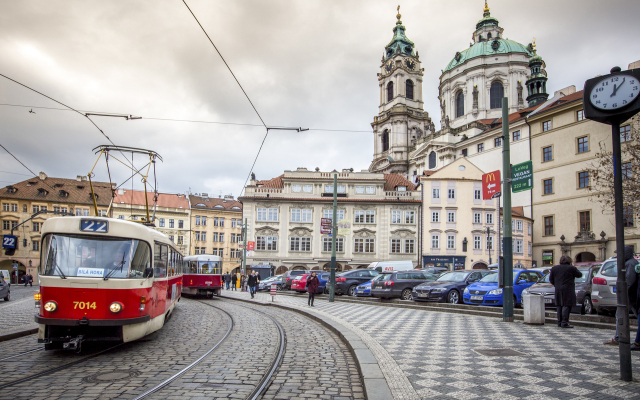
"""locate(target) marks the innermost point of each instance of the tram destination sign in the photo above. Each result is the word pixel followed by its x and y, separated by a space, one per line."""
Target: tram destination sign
pixel 522 177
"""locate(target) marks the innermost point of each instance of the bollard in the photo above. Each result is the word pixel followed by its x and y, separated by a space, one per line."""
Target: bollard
pixel 274 290
pixel 534 311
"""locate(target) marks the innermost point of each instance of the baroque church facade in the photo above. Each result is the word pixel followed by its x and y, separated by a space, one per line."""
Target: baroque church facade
pixel 470 94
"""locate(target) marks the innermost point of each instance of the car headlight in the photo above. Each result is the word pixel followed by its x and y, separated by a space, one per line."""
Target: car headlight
pixel 526 291
pixel 50 306
pixel 496 291
pixel 115 307
pixel 466 290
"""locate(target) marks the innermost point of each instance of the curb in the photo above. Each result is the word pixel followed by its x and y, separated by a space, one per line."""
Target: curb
pixel 15 335
pixel 375 385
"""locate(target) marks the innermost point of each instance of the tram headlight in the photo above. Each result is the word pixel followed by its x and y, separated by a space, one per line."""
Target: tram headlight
pixel 50 306
pixel 115 307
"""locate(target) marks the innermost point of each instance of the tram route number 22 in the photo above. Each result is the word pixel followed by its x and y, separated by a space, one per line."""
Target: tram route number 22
pixel 84 305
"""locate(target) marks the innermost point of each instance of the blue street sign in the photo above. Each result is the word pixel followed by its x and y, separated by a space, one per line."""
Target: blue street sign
pixel 9 241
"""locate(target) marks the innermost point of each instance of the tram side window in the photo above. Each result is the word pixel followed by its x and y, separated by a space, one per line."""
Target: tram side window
pixel 160 260
pixel 141 261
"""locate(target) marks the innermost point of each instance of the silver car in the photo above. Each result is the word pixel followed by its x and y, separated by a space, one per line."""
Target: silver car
pixel 603 289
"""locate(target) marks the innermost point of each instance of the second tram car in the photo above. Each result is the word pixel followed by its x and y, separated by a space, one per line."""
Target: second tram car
pixel 202 275
pixel 104 279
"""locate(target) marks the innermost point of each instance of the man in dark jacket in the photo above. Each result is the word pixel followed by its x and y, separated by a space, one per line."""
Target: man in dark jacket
pixel 226 279
pixel 252 282
pixel 563 278
pixel 234 280
pixel 632 286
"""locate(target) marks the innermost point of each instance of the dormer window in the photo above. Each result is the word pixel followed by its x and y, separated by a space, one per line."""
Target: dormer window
pixel 235 208
pixel 58 185
pixel 96 196
pixel 64 193
pixel 11 189
pixel 200 205
pixel 80 187
pixel 401 189
pixel 42 192
pixel 218 206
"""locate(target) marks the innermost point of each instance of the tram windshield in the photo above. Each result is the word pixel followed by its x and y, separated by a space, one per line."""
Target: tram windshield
pixel 209 267
pixel 91 257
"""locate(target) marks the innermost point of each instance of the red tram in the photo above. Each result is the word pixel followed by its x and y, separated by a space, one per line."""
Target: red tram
pixel 104 279
pixel 202 275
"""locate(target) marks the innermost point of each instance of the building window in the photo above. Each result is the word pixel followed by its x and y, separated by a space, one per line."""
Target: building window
pixel 365 217
pixel 329 189
pixel 197 220
pixel 547 257
pixel 268 243
pixel 233 222
pixel 583 144
pixel 203 236
pixel 497 142
pixel 389 91
pixel 36 227
pixel 548 226
pixel 233 238
pixel 385 140
pixel 477 194
pixel 530 251
pixel 464 152
pixel 307 188
pixel 477 218
pixel 451 193
pixel 626 171
pixel 516 135
pixel 215 236
pixel 409 89
pixel 204 220
pixel 180 224
pixel 585 221
pixel 409 217
pixel 409 245
pixel 519 225
pixel 364 245
pixel 625 133
pixel 490 218
pixel 529 228
pixel 547 153
pixel 477 243
pixel 583 179
pixel 459 104
pixel 480 147
pixel 296 188
pixel 197 236
pixel 496 94
pixel 548 186
pixel 326 245
pixel 436 193
pixel 451 216
pixel 6 225
pixel 546 126
pixel 451 242
pixel 396 217
pixel 171 224
pixel 432 160
pixel 56 209
pixel 435 241
pixel 215 221
pixel 371 189
pixel 518 246
pixel 122 217
pixel 359 189
pixel 435 216
pixel 267 214
pixel 329 214
pixel 36 245
pixel 301 215
pixel 300 244
pixel 5 207
pixel 627 217
pixel 580 115
pixel 36 209
pixel 396 245
pixel 160 222
pixel 171 238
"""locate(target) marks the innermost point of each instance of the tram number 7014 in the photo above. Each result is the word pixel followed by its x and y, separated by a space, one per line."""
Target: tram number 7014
pixel 84 304
pixel 87 225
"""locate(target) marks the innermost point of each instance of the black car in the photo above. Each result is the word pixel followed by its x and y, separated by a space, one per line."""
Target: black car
pixel 289 276
pixel 346 282
pixel 448 287
pixel 435 270
pixel 399 284
pixel 5 289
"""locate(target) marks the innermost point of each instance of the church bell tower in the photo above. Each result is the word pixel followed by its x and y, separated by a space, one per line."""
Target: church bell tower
pixel 401 119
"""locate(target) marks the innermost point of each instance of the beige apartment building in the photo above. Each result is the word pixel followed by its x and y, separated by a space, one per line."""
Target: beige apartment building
pixel 217 228
pixel 172 214
pixel 460 228
pixel 20 201
pixel 568 219
pixel 284 216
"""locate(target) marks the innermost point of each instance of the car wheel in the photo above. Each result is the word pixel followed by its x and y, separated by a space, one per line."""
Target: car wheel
pixel 352 290
pixel 8 296
pixel 453 297
pixel 515 302
pixel 587 305
pixel 406 294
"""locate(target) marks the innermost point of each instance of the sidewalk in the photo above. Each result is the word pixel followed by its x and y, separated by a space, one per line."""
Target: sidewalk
pixel 425 354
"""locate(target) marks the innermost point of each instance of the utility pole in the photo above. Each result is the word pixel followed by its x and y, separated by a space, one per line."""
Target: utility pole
pixel 334 232
pixel 489 247
pixel 507 270
pixel 244 248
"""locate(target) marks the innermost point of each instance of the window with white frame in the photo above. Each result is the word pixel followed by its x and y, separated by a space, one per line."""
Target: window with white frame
pixel 396 245
pixel 435 241
pixel 371 189
pixel 329 214
pixel 266 214
pixel 203 236
pixel 326 245
pixel 436 193
pixel 401 188
pixel 477 218
pixel 490 243
pixel 221 237
pixel 329 189
pixel 296 188
pixel 171 223
pixel 451 242
pixel 197 220
pixel 365 217
pixel 267 243
pixel 300 244
pixel 451 194
pixel 518 246
pixel 529 247
pixel 233 222
pixel 204 221
pixel 360 189
pixel 396 217
pixel 477 194
pixel 435 216
pixel 519 225
pixel 489 218
pixel 451 216
pixel 122 217
pixel 409 217
pixel 215 221
pixel 409 246
pixel 529 228
pixel 301 215
pixel 477 243
pixel 197 236
pixel 161 222
pixel 307 188
pixel 215 236
pixel 364 245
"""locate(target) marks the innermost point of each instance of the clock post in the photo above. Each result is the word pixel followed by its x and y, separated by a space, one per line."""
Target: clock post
pixel 612 99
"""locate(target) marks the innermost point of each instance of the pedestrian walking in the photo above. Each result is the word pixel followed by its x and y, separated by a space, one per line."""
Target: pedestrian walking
pixel 252 282
pixel 226 278
pixel 25 279
pixel 312 287
pixel 234 279
pixel 563 278
pixel 30 280
pixel 630 265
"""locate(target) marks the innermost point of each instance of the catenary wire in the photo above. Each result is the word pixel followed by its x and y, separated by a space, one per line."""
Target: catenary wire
pixel 14 173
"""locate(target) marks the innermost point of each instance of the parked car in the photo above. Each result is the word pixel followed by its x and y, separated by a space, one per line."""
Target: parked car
pixel 435 270
pixel 583 290
pixel 603 287
pixel 364 290
pixel 266 284
pixel 487 292
pixel 390 266
pixel 542 270
pixel 323 278
pixel 299 284
pixel 399 284
pixel 448 287
pixel 289 276
pixel 5 289
pixel 346 282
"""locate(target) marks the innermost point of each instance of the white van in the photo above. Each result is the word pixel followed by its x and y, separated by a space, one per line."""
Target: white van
pixel 392 266
pixel 5 274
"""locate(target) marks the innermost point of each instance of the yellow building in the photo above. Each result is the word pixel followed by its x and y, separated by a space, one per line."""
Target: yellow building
pixel 22 200
pixel 216 228
pixel 568 219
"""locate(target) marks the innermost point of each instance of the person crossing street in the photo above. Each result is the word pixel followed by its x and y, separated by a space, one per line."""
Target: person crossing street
pixel 312 287
pixel 252 282
pixel 234 280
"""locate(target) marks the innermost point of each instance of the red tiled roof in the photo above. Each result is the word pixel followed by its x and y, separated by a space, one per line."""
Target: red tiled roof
pixel 207 202
pixel 392 181
pixel 513 117
pixel 563 100
pixel 275 183
pixel 60 190
pixel 136 197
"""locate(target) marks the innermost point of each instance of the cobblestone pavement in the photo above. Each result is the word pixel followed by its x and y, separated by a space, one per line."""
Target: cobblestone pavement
pixel 427 354
pixel 17 314
pixel 19 292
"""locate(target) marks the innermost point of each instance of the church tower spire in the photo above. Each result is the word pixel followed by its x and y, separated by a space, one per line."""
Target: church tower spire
pixel 537 83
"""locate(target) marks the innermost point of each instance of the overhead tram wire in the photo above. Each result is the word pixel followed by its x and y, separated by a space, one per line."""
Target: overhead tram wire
pixel 86 115
pixel 23 164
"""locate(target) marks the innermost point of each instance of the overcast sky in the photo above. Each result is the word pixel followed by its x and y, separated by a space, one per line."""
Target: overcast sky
pixel 303 63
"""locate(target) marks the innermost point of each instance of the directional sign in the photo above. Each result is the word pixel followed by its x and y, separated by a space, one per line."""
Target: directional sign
pixel 522 177
pixel 9 241
pixel 325 230
pixel 491 185
pixel 326 222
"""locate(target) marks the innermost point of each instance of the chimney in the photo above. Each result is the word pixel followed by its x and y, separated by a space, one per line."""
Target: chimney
pixel 301 169
pixel 566 91
pixel 79 178
pixel 42 176
pixel 205 195
pixel 228 197
pixel 120 192
pixel 84 178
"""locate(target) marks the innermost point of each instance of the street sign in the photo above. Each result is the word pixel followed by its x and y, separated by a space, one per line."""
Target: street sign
pixel 491 185
pixel 522 177
pixel 251 245
pixel 344 227
pixel 325 231
pixel 9 241
pixel 326 222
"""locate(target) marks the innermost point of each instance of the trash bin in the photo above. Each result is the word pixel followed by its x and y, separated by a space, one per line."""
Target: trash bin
pixel 533 305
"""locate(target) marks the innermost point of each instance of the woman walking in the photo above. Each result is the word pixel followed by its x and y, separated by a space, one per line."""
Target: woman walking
pixel 312 286
pixel 563 278
pixel 234 280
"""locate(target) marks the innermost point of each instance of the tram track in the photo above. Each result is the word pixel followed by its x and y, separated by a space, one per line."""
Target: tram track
pixel 21 354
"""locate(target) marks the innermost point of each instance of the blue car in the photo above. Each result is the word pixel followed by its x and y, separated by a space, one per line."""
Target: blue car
pixel 364 290
pixel 323 278
pixel 486 291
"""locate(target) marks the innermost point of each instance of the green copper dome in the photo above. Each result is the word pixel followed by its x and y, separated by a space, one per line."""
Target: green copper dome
pixel 400 44
pixel 487 48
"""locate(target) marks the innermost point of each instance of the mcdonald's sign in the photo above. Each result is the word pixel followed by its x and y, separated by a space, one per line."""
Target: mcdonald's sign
pixel 491 185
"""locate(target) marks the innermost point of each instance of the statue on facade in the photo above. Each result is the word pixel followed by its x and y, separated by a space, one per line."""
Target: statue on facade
pixel 520 99
pixel 475 96
pixel 446 121
pixel 253 176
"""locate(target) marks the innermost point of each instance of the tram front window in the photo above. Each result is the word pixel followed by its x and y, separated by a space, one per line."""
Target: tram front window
pixel 209 267
pixel 88 257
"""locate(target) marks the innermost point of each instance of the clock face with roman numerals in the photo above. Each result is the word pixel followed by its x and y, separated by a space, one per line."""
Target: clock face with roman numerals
pixel 615 92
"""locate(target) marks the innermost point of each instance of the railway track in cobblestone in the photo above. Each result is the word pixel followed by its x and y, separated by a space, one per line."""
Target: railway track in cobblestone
pixel 21 354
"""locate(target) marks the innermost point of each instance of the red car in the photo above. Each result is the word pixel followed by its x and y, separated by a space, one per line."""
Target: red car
pixel 299 284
